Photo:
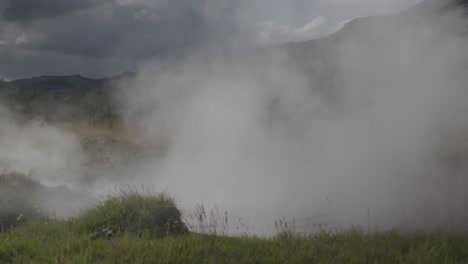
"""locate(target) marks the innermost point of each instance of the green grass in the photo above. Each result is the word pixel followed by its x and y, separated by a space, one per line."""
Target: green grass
pixel 131 227
pixel 130 212
pixel 17 202
pixel 43 241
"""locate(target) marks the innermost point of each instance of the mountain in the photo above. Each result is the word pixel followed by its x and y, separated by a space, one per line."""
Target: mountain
pixel 375 32
pixel 60 84
pixel 53 84
pixel 434 8
pixel 429 7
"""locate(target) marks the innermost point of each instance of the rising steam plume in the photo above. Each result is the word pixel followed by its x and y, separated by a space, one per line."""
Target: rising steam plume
pixel 366 127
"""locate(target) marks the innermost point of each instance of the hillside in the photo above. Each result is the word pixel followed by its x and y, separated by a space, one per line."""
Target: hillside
pixel 436 7
pixel 44 85
pixel 63 98
pixel 320 58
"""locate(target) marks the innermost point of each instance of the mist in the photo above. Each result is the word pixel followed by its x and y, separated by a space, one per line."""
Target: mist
pixel 373 134
pixel 363 128
pixel 52 157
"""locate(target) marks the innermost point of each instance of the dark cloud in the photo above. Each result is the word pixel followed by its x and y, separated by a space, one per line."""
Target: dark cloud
pixel 124 32
pixel 136 29
pixel 109 30
pixel 26 10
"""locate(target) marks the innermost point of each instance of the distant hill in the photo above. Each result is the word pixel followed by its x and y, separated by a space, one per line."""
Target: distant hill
pixel 64 98
pixel 46 84
pixel 60 84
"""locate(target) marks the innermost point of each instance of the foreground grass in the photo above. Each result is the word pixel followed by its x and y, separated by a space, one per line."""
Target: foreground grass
pixel 133 240
pixel 57 241
pixel 131 227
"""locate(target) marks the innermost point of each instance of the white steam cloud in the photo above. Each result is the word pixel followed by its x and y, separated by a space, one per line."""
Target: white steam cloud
pixel 51 157
pixel 382 142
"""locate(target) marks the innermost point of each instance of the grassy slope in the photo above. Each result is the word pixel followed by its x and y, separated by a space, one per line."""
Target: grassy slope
pixel 58 242
pixel 141 234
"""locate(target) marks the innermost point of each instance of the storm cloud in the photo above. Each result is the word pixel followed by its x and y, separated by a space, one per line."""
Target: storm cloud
pixel 131 30
pixel 25 10
pixel 135 31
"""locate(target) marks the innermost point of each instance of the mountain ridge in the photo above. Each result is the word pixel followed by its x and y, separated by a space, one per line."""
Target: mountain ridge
pixel 61 83
pixel 428 7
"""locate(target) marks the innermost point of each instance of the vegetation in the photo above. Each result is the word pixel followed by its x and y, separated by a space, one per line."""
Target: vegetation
pixel 132 213
pixel 64 98
pixel 17 202
pixel 96 106
pixel 129 227
pixel 61 242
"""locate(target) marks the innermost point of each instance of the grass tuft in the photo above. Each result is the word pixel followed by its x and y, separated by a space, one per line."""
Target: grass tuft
pixel 130 212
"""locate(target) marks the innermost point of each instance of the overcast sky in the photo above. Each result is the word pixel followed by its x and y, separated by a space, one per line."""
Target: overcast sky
pixel 104 37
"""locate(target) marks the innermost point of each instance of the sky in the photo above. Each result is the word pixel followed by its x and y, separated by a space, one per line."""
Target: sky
pixel 104 37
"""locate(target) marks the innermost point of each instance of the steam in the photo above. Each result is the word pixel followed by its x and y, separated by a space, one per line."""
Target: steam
pixel 366 127
pixel 37 148
pixel 382 142
pixel 50 156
